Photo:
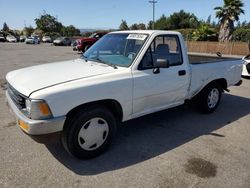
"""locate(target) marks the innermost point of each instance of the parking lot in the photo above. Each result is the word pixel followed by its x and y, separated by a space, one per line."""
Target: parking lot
pixel 178 147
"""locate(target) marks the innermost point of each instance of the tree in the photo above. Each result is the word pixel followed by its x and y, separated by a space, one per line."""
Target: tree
pixel 70 31
pixel 162 23
pixel 150 25
pixel 5 27
pixel 182 19
pixel 38 32
pixel 48 23
pixel 134 27
pixel 227 15
pixel 28 30
pixel 123 25
pixel 141 26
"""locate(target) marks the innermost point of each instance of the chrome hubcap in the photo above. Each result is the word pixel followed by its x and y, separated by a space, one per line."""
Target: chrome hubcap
pixel 213 98
pixel 93 134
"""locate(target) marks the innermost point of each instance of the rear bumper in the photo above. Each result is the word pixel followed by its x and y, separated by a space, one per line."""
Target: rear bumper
pixel 35 127
pixel 238 83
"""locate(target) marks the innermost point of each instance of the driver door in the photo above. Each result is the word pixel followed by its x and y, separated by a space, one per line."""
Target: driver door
pixel 156 89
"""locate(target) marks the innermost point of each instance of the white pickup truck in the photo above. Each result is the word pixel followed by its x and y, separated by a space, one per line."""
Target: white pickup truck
pixel 125 75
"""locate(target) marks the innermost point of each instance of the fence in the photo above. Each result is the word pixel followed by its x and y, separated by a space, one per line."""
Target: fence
pixel 229 48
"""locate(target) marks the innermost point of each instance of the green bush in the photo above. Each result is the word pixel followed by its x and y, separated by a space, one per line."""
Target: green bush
pixel 241 34
pixel 205 33
pixel 187 33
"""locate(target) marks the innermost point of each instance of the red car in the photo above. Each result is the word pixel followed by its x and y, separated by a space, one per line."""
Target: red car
pixel 84 43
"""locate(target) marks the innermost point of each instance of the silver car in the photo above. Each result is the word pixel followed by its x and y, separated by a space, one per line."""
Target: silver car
pixel 32 40
pixel 46 39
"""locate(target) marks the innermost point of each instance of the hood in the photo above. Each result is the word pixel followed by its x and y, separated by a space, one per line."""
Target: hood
pixel 28 80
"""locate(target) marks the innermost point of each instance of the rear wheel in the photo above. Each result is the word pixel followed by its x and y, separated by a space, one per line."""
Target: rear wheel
pixel 209 98
pixel 89 132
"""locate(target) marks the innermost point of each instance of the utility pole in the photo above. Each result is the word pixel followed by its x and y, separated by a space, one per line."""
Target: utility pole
pixel 153 2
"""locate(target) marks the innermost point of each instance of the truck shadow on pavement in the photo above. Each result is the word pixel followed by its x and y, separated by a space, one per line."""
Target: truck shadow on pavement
pixel 150 136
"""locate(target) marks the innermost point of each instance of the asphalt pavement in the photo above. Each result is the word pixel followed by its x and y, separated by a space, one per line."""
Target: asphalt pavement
pixel 179 147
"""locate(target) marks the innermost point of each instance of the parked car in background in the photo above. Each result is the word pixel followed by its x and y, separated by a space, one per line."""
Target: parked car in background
pixel 2 38
pixel 47 39
pixel 246 66
pixel 32 40
pixel 62 41
pixel 11 38
pixel 85 43
pixel 22 38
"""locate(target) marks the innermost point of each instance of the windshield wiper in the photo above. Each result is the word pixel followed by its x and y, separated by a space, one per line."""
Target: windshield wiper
pixel 84 57
pixel 110 64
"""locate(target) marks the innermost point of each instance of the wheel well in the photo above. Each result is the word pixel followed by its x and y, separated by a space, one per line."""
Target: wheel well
pixel 112 105
pixel 222 82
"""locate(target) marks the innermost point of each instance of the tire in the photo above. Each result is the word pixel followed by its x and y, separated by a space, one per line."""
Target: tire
pixel 86 48
pixel 209 98
pixel 89 132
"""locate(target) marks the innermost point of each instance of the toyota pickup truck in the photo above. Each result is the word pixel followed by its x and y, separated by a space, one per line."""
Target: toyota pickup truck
pixel 125 75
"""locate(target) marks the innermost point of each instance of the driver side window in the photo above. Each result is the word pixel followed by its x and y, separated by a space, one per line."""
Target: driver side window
pixel 163 47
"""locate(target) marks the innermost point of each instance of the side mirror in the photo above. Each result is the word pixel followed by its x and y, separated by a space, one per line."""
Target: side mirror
pixel 162 63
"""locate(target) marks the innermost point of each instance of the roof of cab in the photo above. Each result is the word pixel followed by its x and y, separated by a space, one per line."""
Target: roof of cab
pixel 147 32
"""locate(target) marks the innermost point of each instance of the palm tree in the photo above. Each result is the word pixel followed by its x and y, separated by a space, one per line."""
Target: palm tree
pixel 227 14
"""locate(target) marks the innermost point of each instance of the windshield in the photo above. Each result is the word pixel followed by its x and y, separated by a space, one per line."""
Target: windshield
pixel 117 49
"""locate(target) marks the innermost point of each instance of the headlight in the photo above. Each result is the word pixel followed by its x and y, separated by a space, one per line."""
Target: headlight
pixel 37 109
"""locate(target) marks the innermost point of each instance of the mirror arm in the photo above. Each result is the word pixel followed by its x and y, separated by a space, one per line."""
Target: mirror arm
pixel 156 70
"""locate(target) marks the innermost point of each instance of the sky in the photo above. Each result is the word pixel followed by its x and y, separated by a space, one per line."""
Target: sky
pixel 99 14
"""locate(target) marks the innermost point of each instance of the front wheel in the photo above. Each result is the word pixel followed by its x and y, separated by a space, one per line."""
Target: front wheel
pixel 89 132
pixel 86 48
pixel 209 98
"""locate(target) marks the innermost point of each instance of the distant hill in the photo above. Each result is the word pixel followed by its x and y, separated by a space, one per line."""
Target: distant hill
pixel 86 30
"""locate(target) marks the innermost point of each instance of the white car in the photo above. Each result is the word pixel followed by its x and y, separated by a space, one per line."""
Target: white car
pixel 2 38
pixel 32 40
pixel 11 38
pixel 125 75
pixel 246 66
pixel 46 39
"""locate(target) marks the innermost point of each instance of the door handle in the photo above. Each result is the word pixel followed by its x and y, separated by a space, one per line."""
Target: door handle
pixel 182 72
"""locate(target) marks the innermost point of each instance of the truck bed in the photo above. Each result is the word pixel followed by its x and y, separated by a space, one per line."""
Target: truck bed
pixel 207 68
pixel 209 58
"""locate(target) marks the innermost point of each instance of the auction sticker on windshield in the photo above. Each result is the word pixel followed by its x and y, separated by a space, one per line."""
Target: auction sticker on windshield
pixel 137 36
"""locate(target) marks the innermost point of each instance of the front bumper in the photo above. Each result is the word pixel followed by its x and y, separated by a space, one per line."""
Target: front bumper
pixel 77 48
pixel 35 127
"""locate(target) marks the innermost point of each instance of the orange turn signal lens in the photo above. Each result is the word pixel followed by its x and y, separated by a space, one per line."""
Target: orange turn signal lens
pixel 23 125
pixel 44 109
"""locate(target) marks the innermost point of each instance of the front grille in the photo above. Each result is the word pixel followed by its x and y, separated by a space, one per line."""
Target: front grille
pixel 248 68
pixel 17 97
